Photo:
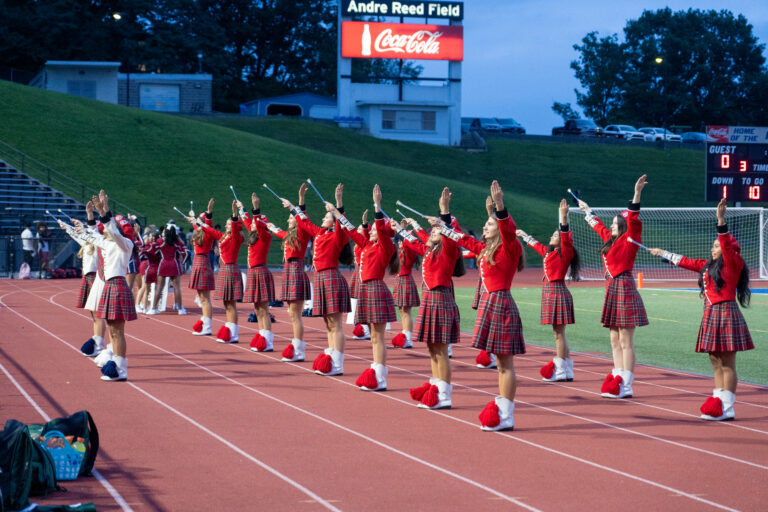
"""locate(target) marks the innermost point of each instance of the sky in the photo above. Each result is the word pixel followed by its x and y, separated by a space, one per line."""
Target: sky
pixel 517 53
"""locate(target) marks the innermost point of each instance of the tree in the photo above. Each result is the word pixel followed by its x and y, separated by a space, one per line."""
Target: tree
pixel 599 69
pixel 565 111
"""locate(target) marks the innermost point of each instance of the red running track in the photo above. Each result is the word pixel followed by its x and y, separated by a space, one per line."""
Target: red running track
pixel 206 426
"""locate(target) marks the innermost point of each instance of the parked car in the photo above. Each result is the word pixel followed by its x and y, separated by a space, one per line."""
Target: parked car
pixel 654 134
pixel 583 127
pixel 694 138
pixel 466 124
pixel 509 125
pixel 623 131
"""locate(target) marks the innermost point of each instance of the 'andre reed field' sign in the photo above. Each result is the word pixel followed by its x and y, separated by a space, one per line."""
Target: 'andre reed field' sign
pixel 416 9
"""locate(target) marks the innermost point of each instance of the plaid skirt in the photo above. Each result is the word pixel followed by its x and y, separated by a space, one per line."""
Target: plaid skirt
pixel 260 286
pixel 116 302
pixel 94 295
pixel 331 293
pixel 438 318
pixel 85 286
pixel 229 283
pixel 406 294
pixel 478 294
pixel 623 306
pixel 295 281
pixel 354 286
pixel 723 329
pixel 375 304
pixel 150 274
pixel 202 273
pixel 498 329
pixel 556 304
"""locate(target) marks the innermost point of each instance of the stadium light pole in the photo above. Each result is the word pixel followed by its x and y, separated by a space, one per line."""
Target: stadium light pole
pixel 659 61
pixel 199 63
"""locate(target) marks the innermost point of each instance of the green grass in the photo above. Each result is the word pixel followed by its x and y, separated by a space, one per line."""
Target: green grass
pixel 667 341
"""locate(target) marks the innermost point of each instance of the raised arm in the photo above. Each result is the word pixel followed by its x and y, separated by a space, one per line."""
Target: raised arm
pixel 594 222
pixel 728 245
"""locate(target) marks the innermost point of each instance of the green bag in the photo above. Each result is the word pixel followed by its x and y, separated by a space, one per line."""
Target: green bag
pixel 26 468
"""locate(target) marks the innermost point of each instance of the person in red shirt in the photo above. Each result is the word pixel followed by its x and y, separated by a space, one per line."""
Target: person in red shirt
pixel 437 323
pixel 260 288
pixel 296 287
pixel 623 308
pixel 229 281
pixel 498 329
pixel 376 306
pixel 405 295
pixel 723 279
pixel 202 279
pixel 331 291
pixel 150 261
pixel 483 359
pixel 361 331
pixel 560 258
pixel 173 253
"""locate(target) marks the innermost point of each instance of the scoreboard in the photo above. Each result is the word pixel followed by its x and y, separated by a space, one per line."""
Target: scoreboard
pixel 737 163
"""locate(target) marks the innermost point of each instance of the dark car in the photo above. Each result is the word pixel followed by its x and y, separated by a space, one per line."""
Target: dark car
pixel 582 127
pixel 694 138
pixel 509 125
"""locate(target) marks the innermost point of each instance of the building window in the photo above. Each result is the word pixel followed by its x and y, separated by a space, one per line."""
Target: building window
pixel 408 120
pixel 83 88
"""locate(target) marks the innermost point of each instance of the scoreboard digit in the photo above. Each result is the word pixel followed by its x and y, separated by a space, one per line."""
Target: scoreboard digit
pixel 737 163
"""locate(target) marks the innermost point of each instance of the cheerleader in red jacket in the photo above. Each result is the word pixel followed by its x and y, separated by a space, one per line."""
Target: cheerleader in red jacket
pixel 405 295
pixel 723 279
pixel 556 300
pixel 483 359
pixel 147 268
pixel 331 291
pixel 229 281
pixel 260 288
pixel 296 287
pixel 173 252
pixel 375 307
pixel 360 331
pixel 202 279
pixel 498 329
pixel 437 323
pixel 623 309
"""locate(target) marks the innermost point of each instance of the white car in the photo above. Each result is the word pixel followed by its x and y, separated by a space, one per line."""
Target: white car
pixel 654 134
pixel 623 131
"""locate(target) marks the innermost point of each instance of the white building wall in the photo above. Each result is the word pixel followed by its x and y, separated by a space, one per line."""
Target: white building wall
pixel 104 79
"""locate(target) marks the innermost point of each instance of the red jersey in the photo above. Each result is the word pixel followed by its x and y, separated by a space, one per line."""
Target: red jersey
pixel 327 245
pixel 359 248
pixel 730 271
pixel 229 245
pixel 205 248
pixel 621 256
pixel 171 256
pixel 437 266
pixel 506 258
pixel 556 262
pixel 408 259
pixel 375 256
pixel 257 253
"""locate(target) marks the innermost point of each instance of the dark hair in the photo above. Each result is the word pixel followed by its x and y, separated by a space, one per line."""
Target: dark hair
pixel 170 235
pixel 622 225
pixel 714 269
pixel 522 261
pixel 575 266
pixel 394 263
pixel 458 267
pixel 253 237
pixel 346 256
pixel 416 261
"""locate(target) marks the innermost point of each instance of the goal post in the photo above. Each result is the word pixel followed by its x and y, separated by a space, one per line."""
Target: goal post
pixel 686 231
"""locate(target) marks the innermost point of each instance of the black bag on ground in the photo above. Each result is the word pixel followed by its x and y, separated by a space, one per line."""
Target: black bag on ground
pixel 26 468
pixel 79 424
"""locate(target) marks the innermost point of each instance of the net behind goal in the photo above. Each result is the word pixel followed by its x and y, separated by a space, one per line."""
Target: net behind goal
pixel 686 231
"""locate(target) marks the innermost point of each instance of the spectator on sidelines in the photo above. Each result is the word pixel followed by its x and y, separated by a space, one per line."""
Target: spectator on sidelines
pixel 28 244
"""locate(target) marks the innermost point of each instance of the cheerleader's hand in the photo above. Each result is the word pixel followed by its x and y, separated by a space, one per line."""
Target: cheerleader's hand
pixel 365 217
pixel 583 206
pixel 721 208
pixel 435 222
pixel 445 201
pixel 394 225
pixel 255 201
pixel 489 206
pixel 521 233
pixel 286 203
pixel 61 224
pixel 656 251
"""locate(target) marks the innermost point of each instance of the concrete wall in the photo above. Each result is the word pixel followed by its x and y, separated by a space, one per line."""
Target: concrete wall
pixel 102 82
pixel 195 91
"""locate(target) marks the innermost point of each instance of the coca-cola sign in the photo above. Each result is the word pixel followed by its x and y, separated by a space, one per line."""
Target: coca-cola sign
pixel 717 133
pixel 401 41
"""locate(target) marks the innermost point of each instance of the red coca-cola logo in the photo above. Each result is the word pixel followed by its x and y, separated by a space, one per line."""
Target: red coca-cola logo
pixel 422 42
pixel 717 133
pixel 370 40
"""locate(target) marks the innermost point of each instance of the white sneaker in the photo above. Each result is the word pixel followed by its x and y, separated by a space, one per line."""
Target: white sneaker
pixel 182 311
pixel 139 308
pixel 627 377
pixel 299 347
pixel 151 312
pixel 560 373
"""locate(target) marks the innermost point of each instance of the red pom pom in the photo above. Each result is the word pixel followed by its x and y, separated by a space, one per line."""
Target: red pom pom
pixel 483 358
pixel 430 397
pixel 489 417
pixel 713 406
pixel 323 363
pixel 614 387
pixel 198 327
pixel 223 333
pixel 606 383
pixel 399 340
pixel 288 352
pixel 259 342
pixel 418 393
pixel 548 370
pixel 358 330
pixel 367 379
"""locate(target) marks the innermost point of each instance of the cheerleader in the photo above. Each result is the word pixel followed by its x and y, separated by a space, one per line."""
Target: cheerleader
pixel 556 300
pixel 99 350
pixel 148 263
pixel 437 323
pixel 116 302
pixel 173 252
pixel 623 309
pixel 406 295
pixel 376 306
pixel 360 331
pixel 498 329
pixel 483 359
pixel 723 279
pixel 202 279
pixel 331 292
pixel 229 281
pixel 260 288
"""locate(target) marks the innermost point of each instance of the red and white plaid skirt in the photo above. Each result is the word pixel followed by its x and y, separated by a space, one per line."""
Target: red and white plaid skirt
pixel 229 283
pixel 498 329
pixel 375 304
pixel 556 304
pixel 478 294
pixel 202 274
pixel 331 293
pixel 260 286
pixel 354 286
pixel 150 275
pixel 116 302
pixel 623 306
pixel 438 318
pixel 406 295
pixel 295 281
pixel 85 286
pixel 723 329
